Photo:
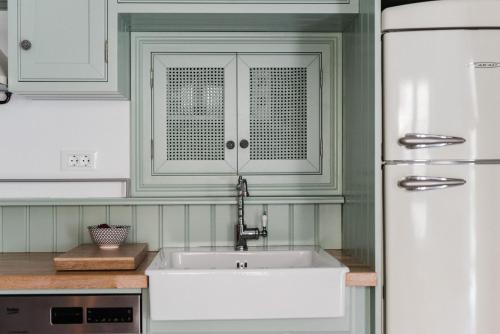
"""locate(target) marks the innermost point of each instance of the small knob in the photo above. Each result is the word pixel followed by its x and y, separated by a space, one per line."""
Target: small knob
pixel 244 143
pixel 25 44
pixel 230 144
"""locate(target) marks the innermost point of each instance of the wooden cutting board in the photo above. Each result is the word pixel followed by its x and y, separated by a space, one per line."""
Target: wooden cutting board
pixel 91 257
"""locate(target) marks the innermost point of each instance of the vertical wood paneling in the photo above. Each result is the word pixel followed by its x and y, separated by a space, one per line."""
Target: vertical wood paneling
pixel 122 215
pixel 148 224
pixel 329 226
pixel 199 225
pixel 92 215
pixel 225 219
pixel 278 224
pixel 303 220
pixel 360 140
pixel 41 228
pixel 67 231
pixel 14 229
pixel 173 226
pixel 48 228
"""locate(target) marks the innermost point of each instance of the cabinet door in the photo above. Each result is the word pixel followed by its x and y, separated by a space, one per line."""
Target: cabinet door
pixel 194 114
pixel 279 113
pixel 66 40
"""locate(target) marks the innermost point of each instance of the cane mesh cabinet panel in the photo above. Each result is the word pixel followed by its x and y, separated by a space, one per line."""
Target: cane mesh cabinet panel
pixel 194 99
pixel 62 40
pixel 207 112
pixel 279 112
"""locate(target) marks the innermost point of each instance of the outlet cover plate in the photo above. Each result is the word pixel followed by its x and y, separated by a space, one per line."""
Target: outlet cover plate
pixel 78 160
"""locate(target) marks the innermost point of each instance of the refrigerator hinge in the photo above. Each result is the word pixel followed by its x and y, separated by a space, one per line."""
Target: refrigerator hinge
pixel 106 48
pixel 152 149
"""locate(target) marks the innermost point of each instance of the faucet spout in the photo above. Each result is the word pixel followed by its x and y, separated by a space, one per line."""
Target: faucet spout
pixel 242 233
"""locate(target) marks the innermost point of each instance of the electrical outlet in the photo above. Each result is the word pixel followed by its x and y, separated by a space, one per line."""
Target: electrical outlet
pixel 78 160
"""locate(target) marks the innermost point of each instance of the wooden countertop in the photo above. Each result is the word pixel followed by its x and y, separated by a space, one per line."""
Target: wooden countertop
pixel 359 274
pixel 19 271
pixel 36 271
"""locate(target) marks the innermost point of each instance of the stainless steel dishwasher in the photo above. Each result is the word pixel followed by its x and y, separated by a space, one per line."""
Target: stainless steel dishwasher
pixel 63 314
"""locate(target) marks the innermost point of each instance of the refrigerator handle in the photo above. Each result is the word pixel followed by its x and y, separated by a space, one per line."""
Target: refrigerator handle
pixel 419 140
pixel 421 183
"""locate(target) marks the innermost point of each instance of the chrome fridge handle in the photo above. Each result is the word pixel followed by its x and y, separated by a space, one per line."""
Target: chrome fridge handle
pixel 421 183
pixel 419 140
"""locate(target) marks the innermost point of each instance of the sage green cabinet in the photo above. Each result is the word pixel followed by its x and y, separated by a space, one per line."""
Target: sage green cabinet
pixel 279 111
pixel 194 99
pixel 68 49
pixel 62 40
pixel 209 110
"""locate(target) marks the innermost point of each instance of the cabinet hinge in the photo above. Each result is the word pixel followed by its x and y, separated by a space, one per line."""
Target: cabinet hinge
pixel 106 51
pixel 151 77
pixel 152 149
pixel 321 148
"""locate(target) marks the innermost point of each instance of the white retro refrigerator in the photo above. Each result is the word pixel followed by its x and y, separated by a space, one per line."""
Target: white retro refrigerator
pixel 441 173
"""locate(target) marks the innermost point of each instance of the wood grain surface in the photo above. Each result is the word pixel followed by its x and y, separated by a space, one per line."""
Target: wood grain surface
pixel 91 257
pixel 36 271
pixel 359 274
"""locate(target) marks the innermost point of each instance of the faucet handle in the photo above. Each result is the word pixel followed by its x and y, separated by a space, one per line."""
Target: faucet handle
pixel 264 220
pixel 263 232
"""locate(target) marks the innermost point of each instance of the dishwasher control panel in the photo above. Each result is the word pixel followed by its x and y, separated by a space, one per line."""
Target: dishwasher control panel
pixel 62 314
pixel 109 315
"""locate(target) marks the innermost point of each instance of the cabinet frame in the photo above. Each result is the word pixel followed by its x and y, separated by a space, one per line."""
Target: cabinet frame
pixel 145 184
pixel 116 85
pixel 32 70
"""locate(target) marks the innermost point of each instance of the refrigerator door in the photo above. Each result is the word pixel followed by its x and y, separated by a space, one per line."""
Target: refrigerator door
pixel 442 249
pixel 441 95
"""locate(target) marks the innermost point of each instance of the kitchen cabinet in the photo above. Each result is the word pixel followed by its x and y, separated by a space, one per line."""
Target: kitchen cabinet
pixel 66 49
pixel 356 320
pixel 207 112
pixel 71 47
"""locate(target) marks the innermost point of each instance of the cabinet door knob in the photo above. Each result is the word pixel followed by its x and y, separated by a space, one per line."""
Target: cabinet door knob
pixel 230 144
pixel 25 44
pixel 244 143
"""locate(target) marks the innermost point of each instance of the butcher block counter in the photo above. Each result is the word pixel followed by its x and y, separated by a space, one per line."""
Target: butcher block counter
pixel 20 271
pixel 36 271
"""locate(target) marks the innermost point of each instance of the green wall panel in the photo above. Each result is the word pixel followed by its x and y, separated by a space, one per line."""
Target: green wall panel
pixel 47 228
pixel 14 229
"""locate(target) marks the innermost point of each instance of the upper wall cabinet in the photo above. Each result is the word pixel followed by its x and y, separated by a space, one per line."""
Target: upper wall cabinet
pixel 67 49
pixel 213 106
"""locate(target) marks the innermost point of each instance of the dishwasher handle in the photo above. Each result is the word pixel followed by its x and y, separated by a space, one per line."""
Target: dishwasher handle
pixel 418 140
pixel 422 183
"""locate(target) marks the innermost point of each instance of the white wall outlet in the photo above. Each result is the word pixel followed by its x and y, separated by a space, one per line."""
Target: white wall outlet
pixel 78 160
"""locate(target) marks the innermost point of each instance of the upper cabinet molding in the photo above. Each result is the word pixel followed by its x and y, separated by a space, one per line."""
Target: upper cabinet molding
pixel 240 6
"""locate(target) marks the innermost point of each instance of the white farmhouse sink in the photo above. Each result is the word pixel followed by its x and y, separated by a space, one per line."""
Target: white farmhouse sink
pixel 271 283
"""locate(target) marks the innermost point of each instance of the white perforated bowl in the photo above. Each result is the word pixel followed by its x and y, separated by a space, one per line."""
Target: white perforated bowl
pixel 109 237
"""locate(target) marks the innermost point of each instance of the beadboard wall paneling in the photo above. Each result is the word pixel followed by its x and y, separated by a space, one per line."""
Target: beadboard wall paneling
pixel 360 141
pixel 60 228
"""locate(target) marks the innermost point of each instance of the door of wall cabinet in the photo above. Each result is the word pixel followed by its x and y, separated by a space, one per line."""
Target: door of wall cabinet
pixel 62 40
pixel 194 114
pixel 279 110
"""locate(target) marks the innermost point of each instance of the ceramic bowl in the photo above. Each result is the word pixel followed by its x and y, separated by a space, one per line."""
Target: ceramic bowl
pixel 109 237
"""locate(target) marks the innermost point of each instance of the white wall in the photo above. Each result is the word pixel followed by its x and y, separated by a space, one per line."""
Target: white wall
pixel 33 134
